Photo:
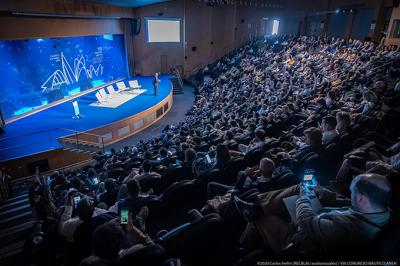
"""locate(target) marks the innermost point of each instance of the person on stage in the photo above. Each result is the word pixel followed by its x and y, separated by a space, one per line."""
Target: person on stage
pixel 155 83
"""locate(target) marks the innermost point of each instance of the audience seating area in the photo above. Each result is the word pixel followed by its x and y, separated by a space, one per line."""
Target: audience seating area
pixel 263 116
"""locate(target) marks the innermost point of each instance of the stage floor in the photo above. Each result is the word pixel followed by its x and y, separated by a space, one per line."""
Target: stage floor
pixel 35 134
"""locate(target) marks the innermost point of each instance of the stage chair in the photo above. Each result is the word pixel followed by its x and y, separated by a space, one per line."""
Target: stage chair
pixel 121 86
pixel 99 98
pixel 134 84
pixel 111 90
pixel 103 93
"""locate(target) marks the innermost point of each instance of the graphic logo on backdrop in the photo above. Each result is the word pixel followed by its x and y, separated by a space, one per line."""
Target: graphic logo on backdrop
pixel 68 75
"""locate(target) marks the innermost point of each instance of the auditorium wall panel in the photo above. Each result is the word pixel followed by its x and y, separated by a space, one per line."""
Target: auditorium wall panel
pixel 148 55
pixel 362 24
pixel 50 27
pixel 198 27
pixel 390 40
pixel 207 33
pixel 25 27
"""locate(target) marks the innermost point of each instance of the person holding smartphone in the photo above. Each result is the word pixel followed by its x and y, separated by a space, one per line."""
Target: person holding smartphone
pixel 110 245
pixel 353 222
pixel 84 210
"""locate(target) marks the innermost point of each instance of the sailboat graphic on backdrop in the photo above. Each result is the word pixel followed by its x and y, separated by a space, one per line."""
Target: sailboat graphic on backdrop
pixel 68 75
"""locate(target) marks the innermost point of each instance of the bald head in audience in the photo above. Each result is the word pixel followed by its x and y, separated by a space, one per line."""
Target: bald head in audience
pixel 370 193
pixel 267 167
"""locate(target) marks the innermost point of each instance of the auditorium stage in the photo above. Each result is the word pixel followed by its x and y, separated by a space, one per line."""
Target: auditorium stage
pixel 40 132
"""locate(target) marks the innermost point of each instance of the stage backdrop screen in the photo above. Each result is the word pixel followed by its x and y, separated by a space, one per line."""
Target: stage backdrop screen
pixel 37 72
pixel 163 30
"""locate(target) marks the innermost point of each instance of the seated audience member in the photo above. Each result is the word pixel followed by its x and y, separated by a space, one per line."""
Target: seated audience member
pixel 131 200
pixel 163 155
pixel 109 243
pixel 147 172
pixel 84 209
pixel 222 157
pixel 228 138
pixel 190 157
pixel 275 86
pixel 110 196
pixel 343 122
pixel 257 177
pixel 257 143
pixel 328 127
pixel 354 227
pixel 91 175
pixel 313 143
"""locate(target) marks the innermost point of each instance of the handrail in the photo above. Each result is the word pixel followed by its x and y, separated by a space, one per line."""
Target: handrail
pixel 16 181
pixel 75 133
pixel 178 75
pixel 196 67
pixel 79 132
pixel 49 130
pixel 21 146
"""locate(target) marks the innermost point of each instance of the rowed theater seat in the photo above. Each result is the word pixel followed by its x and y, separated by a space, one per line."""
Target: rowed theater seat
pixel 233 146
pixel 131 163
pixel 201 242
pixel 203 147
pixel 229 174
pixel 173 174
pixel 386 246
pixel 177 195
pixel 253 157
pixel 331 157
pixel 344 143
pixel 216 141
pixel 151 182
pixel 175 202
pixel 148 255
pixel 116 173
pixel 212 175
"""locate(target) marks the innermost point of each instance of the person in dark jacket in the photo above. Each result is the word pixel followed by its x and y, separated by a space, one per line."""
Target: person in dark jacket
pixel 351 222
pixel 110 196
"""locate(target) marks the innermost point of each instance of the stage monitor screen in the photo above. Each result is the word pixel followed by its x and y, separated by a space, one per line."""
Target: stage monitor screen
pixel 163 30
pixel 38 72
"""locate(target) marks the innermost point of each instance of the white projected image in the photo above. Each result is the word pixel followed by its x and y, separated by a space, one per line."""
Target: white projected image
pixel 163 30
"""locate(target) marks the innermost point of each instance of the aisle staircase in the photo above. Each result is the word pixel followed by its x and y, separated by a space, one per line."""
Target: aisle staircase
pixel 16 221
pixel 88 148
pixel 177 83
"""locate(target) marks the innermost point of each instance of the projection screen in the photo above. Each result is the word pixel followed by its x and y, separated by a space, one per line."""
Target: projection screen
pixel 163 30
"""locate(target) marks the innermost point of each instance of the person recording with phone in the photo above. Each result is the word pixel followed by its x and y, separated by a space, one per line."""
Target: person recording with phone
pixel 84 211
pixel 110 241
pixel 353 222
pixel 132 200
pixel 40 198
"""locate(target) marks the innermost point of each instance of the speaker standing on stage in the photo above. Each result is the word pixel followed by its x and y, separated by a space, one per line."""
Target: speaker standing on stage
pixel 155 83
